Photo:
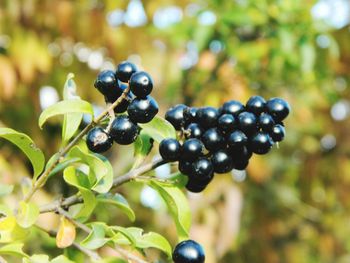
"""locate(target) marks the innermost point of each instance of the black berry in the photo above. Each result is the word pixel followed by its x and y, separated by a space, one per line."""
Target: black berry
pixel 247 122
pixel 193 131
pixel 98 140
pixel 222 162
pixel 188 251
pixel 190 114
pixel 278 108
pixel 266 122
pixel 256 105
pixel 141 84
pixel 106 82
pixel 169 149
pixel 202 171
pixel 123 130
pixel 207 117
pixel 261 143
pixel 241 155
pixel 277 133
pixel 213 139
pixel 185 167
pixel 142 110
pixel 192 149
pixel 124 71
pixel 195 187
pixel 240 164
pixel 227 123
pixel 233 107
pixel 237 140
pixel 175 116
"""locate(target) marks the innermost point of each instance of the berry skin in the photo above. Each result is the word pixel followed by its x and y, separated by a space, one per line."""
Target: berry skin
pixel 185 167
pixel 175 116
pixel 207 117
pixel 190 114
pixel 188 251
pixel 202 171
pixel 233 107
pixel 261 143
pixel 141 84
pixel 195 187
pixel 192 149
pixel 195 131
pixel 124 71
pixel 115 93
pixel 106 82
pixel 278 109
pixel 247 122
pixel 169 149
pixel 213 139
pixel 122 107
pixel 256 105
pixel 277 133
pixel 222 162
pixel 240 164
pixel 237 140
pixel 227 123
pixel 98 140
pixel 142 110
pixel 266 122
pixel 123 130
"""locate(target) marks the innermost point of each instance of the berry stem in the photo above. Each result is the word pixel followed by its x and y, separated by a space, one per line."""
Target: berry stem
pixel 44 176
pixel 111 117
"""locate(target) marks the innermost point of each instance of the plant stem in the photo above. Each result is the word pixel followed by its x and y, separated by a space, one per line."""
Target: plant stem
pixel 42 179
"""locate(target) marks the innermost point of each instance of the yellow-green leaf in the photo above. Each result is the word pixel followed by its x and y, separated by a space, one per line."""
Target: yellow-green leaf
pixel 14 249
pixel 158 129
pixel 66 233
pixel 27 214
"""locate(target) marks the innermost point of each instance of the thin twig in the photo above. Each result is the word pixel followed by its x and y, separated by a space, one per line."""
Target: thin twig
pixel 129 256
pixel 42 179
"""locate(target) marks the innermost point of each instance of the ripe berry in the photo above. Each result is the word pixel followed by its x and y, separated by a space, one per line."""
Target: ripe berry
pixel 232 107
pixel 194 130
pixel 115 93
pixel 222 162
pixel 261 143
pixel 185 167
pixel 277 133
pixel 141 84
pixel 169 149
pixel 142 110
pixel 237 140
pixel 213 139
pixel 190 114
pixel 241 155
pixel 266 122
pixel 240 164
pixel 278 108
pixel 123 130
pixel 195 187
pixel 227 123
pixel 188 251
pixel 123 106
pixel 247 122
pixel 256 105
pixel 98 140
pixel 192 149
pixel 203 171
pixel 207 116
pixel 124 71
pixel 175 116
pixel 106 82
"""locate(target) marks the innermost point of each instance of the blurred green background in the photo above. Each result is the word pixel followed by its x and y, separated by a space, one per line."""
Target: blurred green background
pixel 292 205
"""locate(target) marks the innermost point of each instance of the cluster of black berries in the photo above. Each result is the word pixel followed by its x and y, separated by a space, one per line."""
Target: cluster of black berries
pixel 219 140
pixel 140 106
pixel 188 251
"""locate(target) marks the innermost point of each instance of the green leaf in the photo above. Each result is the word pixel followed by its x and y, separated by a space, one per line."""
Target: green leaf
pixel 142 147
pixel 64 107
pixel 96 238
pixel 100 169
pixel 177 205
pixel 37 259
pixel 158 129
pixel 14 249
pixel 61 259
pixel 125 232
pixel 27 214
pixel 81 181
pixel 71 121
pixel 119 201
pixel 10 231
pixel 5 189
pixel 63 165
pixel 26 144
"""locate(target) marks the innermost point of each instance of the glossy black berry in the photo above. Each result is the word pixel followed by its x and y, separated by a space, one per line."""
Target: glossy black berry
pixel 123 106
pixel 237 140
pixel 222 162
pixel 142 110
pixel 247 122
pixel 98 140
pixel 227 123
pixel 256 105
pixel 185 167
pixel 170 149
pixel 202 171
pixel 192 149
pixel 141 84
pixel 233 107
pixel 240 164
pixel 266 122
pixel 213 139
pixel 188 251
pixel 195 187
pixel 277 133
pixel 123 130
pixel 124 71
pixel 207 117
pixel 278 109
pixel 241 155
pixel 261 143
pixel 190 114
pixel 106 82
pixel 175 116
pixel 193 130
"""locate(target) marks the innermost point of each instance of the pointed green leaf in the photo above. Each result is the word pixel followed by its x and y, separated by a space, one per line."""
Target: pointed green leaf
pixel 96 238
pixel 26 144
pixel 14 249
pixel 61 259
pixel 10 230
pixel 27 214
pixel 142 147
pixel 37 259
pixel 64 107
pixel 119 201
pixel 158 129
